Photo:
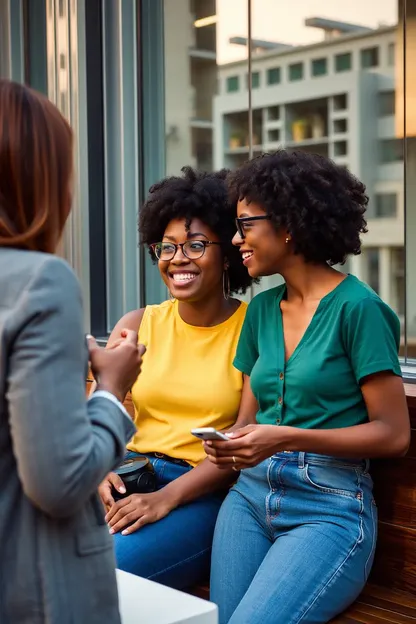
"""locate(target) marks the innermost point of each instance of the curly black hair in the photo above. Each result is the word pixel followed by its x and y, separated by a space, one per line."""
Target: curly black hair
pixel 193 195
pixel 319 203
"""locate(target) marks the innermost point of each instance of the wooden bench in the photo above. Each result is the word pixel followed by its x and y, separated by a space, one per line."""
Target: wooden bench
pixel 390 595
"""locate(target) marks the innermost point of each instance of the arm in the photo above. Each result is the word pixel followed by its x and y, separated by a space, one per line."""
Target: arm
pixel 131 320
pixel 63 445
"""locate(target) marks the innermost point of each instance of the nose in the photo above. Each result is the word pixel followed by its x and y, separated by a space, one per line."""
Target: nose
pixel 237 240
pixel 179 257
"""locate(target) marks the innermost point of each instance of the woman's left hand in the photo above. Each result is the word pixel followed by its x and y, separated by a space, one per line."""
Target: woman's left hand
pixel 137 510
pixel 248 446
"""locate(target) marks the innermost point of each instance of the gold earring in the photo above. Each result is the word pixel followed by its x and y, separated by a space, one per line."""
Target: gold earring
pixel 287 239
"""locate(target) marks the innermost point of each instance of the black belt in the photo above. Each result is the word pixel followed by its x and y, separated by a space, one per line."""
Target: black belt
pixel 173 460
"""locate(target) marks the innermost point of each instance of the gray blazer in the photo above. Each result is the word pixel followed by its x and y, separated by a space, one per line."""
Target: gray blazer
pixel 56 559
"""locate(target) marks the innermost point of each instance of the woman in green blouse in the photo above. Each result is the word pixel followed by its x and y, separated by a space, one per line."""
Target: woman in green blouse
pixel 296 535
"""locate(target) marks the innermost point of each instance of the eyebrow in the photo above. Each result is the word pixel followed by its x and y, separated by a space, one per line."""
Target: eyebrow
pixel 189 235
pixel 244 215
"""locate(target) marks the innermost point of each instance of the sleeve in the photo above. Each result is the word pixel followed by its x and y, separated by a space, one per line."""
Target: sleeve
pixel 63 445
pixel 372 338
pixel 247 348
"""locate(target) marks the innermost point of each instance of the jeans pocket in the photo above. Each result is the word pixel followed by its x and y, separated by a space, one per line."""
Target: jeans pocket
pixel 332 479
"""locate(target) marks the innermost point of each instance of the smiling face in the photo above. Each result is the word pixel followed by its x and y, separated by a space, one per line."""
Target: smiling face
pixel 192 279
pixel 264 249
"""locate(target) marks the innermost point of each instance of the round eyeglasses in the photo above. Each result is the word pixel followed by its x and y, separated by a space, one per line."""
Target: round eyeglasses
pixel 191 249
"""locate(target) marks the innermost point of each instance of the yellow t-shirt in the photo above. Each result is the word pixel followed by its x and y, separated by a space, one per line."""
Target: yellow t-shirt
pixel 187 380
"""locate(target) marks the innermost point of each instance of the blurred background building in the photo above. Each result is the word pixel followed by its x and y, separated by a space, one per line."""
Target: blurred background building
pixel 152 85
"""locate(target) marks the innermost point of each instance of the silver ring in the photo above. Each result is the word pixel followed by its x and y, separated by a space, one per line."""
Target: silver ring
pixel 234 459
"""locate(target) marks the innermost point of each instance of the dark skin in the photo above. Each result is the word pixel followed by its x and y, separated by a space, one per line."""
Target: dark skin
pixel 387 434
pixel 201 303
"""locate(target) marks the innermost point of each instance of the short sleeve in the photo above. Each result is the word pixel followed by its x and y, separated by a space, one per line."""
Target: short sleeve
pixel 247 348
pixel 372 338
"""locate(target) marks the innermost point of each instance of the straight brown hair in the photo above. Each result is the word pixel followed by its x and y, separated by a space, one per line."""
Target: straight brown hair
pixel 36 166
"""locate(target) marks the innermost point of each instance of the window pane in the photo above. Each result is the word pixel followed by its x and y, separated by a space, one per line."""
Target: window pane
pixel 386 103
pixel 255 80
pixel 273 75
pixel 296 71
pixel 385 205
pixel 319 67
pixel 343 62
pixel 233 84
pixel 369 57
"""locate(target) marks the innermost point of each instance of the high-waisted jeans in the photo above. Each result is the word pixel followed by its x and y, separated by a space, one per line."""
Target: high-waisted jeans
pixel 294 540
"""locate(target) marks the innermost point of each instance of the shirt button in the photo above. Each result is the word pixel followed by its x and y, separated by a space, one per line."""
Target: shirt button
pixel 278 421
pixel 280 400
pixel 281 376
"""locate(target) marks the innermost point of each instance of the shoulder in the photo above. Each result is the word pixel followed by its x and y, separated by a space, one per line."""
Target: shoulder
pixel 361 305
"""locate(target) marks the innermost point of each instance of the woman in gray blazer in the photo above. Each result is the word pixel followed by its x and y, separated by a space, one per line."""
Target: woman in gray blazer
pixel 56 563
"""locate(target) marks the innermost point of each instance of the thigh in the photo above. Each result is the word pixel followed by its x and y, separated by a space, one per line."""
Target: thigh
pixel 310 574
pixel 240 544
pixel 174 551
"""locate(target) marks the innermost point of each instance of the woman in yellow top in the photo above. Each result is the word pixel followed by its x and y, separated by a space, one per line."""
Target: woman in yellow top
pixel 187 380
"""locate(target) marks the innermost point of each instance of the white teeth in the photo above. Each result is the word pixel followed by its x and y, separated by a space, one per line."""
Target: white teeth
pixel 247 254
pixel 183 277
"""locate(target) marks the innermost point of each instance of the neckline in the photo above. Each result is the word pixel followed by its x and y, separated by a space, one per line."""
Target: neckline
pixel 211 327
pixel 313 320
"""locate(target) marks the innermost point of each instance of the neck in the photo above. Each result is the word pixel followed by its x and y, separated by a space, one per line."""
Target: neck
pixel 207 312
pixel 310 281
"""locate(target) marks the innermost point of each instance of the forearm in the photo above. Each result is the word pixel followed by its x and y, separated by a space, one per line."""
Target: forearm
pixel 203 479
pixel 373 439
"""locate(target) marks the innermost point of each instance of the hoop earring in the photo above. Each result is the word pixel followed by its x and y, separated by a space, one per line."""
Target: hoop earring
pixel 226 284
pixel 171 297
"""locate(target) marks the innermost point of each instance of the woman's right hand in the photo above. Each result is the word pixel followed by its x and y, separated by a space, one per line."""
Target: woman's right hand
pixel 105 490
pixel 116 369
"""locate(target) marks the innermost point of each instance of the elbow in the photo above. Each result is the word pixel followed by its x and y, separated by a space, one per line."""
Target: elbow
pixel 400 446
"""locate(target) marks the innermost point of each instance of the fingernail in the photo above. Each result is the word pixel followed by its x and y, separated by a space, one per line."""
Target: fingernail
pixel 89 336
pixel 111 531
pixel 230 435
pixel 122 489
pixel 125 532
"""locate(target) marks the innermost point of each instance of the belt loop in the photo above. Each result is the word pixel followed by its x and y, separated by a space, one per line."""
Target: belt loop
pixel 301 460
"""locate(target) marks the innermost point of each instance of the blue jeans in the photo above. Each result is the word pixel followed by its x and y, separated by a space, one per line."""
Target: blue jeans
pixel 176 550
pixel 294 540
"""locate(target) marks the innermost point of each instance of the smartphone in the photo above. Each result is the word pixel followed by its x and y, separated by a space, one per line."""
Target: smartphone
pixel 209 433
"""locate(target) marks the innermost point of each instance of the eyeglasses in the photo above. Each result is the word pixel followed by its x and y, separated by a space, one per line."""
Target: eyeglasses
pixel 243 223
pixel 192 249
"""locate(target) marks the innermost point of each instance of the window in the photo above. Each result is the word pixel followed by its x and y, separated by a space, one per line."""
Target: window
pixel 273 75
pixel 295 72
pixel 62 61
pixel 386 103
pixel 369 58
pixel 373 263
pixel 255 80
pixel 233 84
pixel 391 151
pixel 319 67
pixel 385 205
pixel 391 50
pixel 343 62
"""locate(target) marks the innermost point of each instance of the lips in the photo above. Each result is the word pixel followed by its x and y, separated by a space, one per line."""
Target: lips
pixel 246 255
pixel 182 278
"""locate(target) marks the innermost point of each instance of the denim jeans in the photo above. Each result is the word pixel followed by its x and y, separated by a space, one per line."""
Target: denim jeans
pixel 176 550
pixel 294 540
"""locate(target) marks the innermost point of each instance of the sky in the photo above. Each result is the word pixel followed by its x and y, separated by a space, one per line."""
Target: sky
pixel 283 20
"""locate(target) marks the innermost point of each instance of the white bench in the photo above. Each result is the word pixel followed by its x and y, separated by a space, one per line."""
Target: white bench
pixel 145 602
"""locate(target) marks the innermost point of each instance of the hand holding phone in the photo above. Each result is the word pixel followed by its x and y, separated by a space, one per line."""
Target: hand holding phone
pixel 209 433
